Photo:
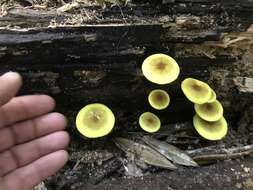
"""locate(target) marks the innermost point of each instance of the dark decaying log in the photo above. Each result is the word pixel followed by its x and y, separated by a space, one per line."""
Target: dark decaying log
pixel 99 59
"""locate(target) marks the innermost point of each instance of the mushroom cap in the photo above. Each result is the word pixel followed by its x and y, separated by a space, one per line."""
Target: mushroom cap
pixel 95 120
pixel 196 91
pixel 209 111
pixel 213 97
pixel 149 122
pixel 160 69
pixel 159 99
pixel 211 130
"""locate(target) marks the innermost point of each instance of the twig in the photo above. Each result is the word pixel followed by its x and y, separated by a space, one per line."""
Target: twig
pixel 221 156
pixel 205 150
pixel 182 139
pixel 219 149
pixel 183 142
pixel 243 148
pixel 227 154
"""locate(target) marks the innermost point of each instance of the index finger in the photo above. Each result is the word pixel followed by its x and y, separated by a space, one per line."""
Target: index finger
pixel 10 83
pixel 24 108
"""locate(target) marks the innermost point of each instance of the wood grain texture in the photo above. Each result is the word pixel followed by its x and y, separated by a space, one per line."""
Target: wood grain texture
pixel 99 58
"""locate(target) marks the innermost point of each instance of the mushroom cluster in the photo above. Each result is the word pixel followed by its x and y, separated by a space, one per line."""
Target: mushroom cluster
pixel 97 120
pixel 160 69
pixel 208 121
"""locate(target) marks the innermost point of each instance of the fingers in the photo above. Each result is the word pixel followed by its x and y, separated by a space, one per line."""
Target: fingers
pixel 24 154
pixel 31 129
pixel 10 84
pixel 27 177
pixel 25 107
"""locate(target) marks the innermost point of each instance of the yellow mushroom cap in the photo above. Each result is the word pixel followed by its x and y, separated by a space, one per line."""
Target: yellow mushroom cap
pixel 209 111
pixel 160 69
pixel 149 122
pixel 213 97
pixel 159 99
pixel 211 130
pixel 196 91
pixel 95 120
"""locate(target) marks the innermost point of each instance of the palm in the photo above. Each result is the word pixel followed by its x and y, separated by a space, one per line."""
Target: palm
pixel 31 139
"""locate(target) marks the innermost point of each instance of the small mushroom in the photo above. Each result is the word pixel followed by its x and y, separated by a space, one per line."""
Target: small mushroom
pixel 209 111
pixel 159 99
pixel 196 91
pixel 95 120
pixel 160 69
pixel 149 122
pixel 215 130
pixel 213 97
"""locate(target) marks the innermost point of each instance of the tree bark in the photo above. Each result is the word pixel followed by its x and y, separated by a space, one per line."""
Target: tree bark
pixel 99 60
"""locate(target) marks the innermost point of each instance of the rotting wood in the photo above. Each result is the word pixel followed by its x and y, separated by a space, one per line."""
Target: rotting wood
pixel 244 84
pixel 101 58
pixel 118 64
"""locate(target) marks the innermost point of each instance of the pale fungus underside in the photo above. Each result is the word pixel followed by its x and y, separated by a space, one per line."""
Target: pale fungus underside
pixel 215 130
pixel 160 69
pixel 196 91
pixel 159 99
pixel 209 111
pixel 149 122
pixel 95 120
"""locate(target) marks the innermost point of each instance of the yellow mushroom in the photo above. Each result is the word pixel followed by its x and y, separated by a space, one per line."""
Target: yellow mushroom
pixel 95 120
pixel 209 111
pixel 160 69
pixel 213 97
pixel 159 99
pixel 196 91
pixel 211 130
pixel 149 122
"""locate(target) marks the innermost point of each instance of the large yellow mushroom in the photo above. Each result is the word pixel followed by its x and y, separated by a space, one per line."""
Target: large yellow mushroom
pixel 209 111
pixel 149 122
pixel 215 130
pixel 95 120
pixel 160 69
pixel 196 91
pixel 159 99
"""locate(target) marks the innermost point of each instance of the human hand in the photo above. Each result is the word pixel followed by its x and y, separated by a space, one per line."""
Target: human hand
pixel 32 141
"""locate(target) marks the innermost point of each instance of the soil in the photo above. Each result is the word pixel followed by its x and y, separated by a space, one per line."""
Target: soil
pixel 99 165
